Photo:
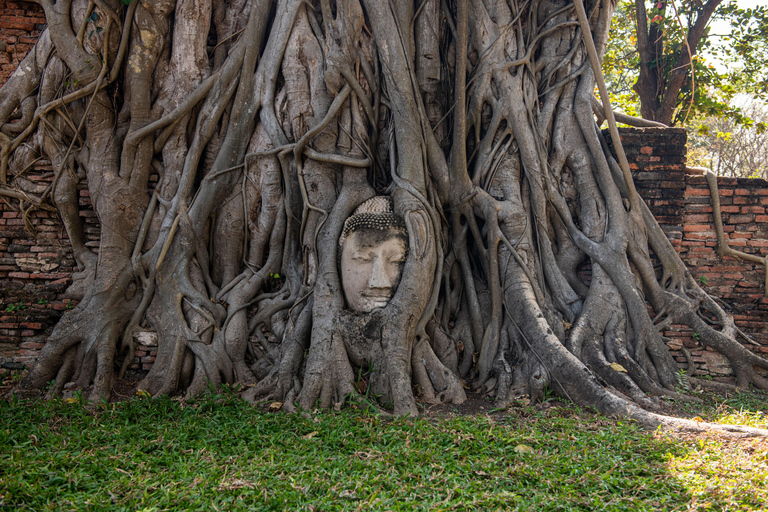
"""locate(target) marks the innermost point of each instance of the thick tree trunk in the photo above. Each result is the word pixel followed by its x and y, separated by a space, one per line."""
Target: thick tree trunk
pixel 663 72
pixel 268 124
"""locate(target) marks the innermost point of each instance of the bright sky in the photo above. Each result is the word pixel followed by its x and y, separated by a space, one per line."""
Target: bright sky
pixel 722 27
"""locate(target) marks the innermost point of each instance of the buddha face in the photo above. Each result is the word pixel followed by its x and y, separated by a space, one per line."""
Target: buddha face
pixel 371 264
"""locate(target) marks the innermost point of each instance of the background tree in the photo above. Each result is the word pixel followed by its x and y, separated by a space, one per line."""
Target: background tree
pixel 224 144
pixel 729 148
pixel 660 60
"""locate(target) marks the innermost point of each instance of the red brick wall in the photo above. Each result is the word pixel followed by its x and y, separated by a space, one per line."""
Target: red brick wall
pixel 35 269
pixel 682 205
pixel 740 284
pixel 20 25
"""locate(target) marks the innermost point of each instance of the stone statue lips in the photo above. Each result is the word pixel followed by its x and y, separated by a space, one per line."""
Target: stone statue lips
pixel 378 298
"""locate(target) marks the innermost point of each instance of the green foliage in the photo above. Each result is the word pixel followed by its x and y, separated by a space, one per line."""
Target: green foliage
pixel 621 61
pixel 709 90
pixel 747 47
pixel 12 308
pixel 220 453
pixel 731 148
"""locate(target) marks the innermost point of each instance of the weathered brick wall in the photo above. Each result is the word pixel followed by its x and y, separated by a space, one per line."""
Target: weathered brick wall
pixel 657 161
pixel 35 269
pixel 20 25
pixel 740 284
pixel 682 205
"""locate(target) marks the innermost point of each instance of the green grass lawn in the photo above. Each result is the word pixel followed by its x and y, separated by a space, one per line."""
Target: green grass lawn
pixel 218 453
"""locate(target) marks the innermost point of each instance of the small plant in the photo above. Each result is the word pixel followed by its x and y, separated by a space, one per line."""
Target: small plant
pixel 12 308
pixel 548 394
pixel 682 380
pixel 42 301
pixel 696 336
pixel 703 280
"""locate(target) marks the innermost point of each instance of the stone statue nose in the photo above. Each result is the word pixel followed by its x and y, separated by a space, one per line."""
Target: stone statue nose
pixel 379 277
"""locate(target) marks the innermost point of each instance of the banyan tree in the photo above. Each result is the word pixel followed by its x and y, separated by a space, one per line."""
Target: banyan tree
pixel 321 201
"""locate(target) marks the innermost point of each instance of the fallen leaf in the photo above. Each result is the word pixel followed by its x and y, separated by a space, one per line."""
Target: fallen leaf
pixel 301 488
pixel 617 367
pixel 70 400
pixel 348 494
pixel 229 485
pixel 275 406
pixel 143 393
pixel 310 435
pixel 524 448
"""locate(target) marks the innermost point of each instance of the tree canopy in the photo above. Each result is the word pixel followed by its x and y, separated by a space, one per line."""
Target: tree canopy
pixel 666 62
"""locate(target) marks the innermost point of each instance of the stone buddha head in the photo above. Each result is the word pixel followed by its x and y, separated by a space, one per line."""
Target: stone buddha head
pixel 373 248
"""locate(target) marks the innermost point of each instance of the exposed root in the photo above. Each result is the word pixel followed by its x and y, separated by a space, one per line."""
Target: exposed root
pixel 222 174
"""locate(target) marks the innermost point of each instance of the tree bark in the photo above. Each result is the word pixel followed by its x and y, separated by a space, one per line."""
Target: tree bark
pixel 266 124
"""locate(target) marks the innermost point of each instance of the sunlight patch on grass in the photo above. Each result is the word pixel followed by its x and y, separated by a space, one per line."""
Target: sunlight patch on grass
pixel 722 472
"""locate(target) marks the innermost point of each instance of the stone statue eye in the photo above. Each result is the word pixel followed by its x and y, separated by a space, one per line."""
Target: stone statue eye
pixel 362 258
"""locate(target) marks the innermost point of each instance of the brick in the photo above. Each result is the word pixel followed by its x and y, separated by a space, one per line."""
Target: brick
pixel 697 227
pixel 740 219
pixel 8 25
pixel 697 218
pixel 31 345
